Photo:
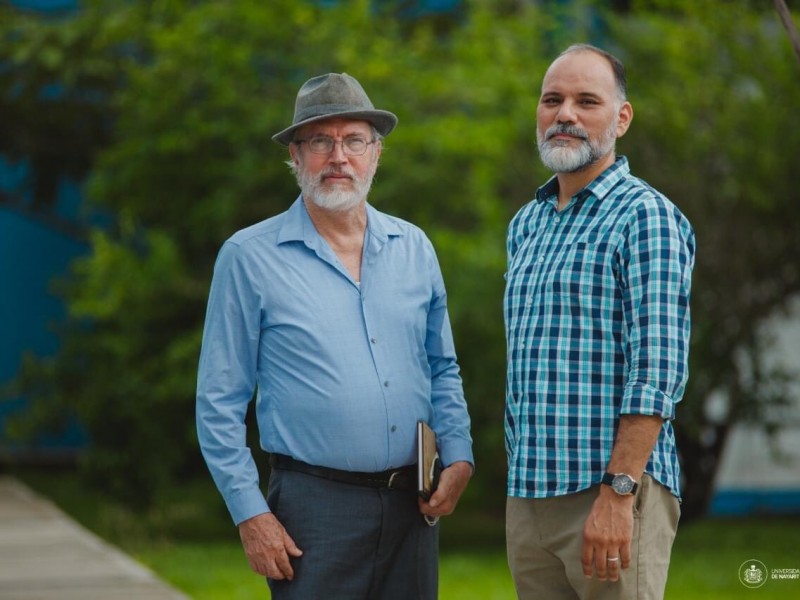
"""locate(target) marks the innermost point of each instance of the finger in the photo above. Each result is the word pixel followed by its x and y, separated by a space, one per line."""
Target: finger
pixel 427 509
pixel 283 561
pixel 440 504
pixel 613 566
pixel 600 570
pixel 587 555
pixel 274 572
pixel 625 556
pixel 601 565
pixel 291 547
pixel 284 566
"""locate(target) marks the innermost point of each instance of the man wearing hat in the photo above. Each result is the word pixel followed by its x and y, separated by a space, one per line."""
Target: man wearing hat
pixel 335 316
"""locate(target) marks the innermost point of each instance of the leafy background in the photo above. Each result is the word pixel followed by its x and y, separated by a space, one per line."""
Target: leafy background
pixel 165 109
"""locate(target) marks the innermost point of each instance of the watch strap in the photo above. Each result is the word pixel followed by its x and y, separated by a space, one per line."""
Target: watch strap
pixel 608 479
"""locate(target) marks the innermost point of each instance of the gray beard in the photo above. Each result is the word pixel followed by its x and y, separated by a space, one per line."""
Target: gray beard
pixel 334 199
pixel 559 157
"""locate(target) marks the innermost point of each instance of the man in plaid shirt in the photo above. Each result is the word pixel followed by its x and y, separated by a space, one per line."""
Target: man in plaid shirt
pixel 597 325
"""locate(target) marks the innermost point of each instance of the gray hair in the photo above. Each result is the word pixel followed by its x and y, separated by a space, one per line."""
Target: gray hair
pixel 616 66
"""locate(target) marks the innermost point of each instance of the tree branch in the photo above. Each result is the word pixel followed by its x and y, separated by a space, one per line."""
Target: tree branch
pixel 788 23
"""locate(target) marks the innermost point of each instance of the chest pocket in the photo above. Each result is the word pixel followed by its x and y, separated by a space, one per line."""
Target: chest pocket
pixel 584 279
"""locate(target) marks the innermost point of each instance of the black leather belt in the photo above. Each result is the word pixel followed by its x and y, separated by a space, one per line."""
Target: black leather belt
pixel 403 478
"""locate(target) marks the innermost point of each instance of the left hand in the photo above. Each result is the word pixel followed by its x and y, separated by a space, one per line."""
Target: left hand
pixel 607 534
pixel 452 483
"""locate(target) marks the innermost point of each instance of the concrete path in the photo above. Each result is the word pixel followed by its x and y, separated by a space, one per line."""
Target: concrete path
pixel 45 555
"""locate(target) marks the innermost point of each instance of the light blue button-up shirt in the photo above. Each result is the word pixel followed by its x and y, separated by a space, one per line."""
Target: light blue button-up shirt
pixel 341 370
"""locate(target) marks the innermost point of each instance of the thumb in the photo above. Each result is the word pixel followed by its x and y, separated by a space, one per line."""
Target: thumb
pixel 291 547
pixel 438 496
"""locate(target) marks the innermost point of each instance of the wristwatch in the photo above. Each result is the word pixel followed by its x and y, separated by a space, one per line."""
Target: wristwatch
pixel 622 483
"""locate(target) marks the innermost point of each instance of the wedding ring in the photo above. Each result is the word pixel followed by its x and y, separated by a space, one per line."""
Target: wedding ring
pixel 613 559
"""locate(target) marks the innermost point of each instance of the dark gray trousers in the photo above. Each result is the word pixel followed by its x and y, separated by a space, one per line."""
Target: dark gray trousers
pixel 358 543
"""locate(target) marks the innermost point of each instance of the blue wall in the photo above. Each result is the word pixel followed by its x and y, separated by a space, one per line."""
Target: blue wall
pixel 36 247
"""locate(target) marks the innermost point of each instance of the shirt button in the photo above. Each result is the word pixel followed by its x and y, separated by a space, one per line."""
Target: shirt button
pixel 385 384
pixel 557 219
pixel 373 340
pixel 541 259
pixel 394 428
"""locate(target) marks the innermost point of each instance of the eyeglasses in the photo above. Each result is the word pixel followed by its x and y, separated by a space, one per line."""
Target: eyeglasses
pixel 322 144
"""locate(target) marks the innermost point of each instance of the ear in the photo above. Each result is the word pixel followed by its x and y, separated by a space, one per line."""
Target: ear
pixel 293 153
pixel 624 118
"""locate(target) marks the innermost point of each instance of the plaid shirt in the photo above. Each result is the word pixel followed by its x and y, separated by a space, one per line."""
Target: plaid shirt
pixel 597 323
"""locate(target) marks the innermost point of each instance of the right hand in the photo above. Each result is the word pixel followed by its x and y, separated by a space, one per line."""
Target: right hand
pixel 268 546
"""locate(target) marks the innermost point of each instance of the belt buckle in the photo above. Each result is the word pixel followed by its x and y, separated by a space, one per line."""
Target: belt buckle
pixel 390 485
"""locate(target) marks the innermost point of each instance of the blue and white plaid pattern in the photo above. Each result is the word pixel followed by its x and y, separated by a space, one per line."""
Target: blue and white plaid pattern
pixel 597 325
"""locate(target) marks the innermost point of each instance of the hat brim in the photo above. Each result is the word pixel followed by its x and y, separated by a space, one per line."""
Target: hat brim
pixel 383 120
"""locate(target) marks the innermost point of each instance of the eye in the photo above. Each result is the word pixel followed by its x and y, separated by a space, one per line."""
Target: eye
pixel 356 145
pixel 320 143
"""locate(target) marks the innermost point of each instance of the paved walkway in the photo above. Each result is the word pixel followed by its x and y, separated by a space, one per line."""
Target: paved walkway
pixel 45 555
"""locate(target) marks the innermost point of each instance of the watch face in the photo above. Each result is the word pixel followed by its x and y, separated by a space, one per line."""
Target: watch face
pixel 622 484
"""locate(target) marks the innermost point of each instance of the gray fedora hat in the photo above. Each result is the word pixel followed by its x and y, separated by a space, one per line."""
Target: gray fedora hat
pixel 334 96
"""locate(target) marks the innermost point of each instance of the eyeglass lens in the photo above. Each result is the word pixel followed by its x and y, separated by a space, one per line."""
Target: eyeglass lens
pixel 322 144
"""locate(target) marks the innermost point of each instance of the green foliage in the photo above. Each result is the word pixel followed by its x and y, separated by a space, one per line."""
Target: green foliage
pixel 195 92
pixel 714 88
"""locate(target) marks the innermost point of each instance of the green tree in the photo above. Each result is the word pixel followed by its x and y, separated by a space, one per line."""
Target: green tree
pixel 715 86
pixel 195 93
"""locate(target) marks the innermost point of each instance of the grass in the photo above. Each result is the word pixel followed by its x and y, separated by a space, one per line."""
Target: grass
pixel 188 540
pixel 219 571
pixel 705 565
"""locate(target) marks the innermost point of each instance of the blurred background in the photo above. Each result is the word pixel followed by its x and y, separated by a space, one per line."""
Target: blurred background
pixel 135 138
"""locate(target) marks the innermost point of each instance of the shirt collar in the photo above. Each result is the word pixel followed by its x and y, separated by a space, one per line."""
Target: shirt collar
pixel 297 226
pixel 294 223
pixel 599 187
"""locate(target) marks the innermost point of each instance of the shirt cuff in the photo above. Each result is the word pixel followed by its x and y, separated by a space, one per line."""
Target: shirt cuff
pixel 246 504
pixel 456 451
pixel 644 399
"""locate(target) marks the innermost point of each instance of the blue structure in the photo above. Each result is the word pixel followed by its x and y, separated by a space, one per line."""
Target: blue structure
pixel 46 6
pixel 39 238
pixel 36 246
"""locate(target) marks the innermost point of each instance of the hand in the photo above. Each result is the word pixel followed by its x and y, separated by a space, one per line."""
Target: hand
pixel 268 546
pixel 452 483
pixel 607 535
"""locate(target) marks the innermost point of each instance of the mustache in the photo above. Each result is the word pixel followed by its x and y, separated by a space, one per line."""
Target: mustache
pixel 565 129
pixel 338 172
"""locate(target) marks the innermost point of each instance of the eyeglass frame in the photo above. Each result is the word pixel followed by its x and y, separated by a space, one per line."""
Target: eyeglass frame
pixel 333 142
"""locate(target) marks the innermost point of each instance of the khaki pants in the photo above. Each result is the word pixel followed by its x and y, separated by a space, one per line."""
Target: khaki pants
pixel 545 537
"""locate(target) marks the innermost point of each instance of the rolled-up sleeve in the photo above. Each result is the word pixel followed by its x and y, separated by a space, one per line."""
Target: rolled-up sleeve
pixel 656 271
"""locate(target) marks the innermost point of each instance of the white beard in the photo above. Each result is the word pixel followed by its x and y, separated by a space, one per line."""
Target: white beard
pixel 559 157
pixel 334 197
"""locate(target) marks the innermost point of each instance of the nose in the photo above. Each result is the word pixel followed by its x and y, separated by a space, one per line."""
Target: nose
pixel 566 112
pixel 337 155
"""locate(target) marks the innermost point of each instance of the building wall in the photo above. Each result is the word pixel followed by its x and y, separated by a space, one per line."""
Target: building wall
pixel 37 245
pixel 759 473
